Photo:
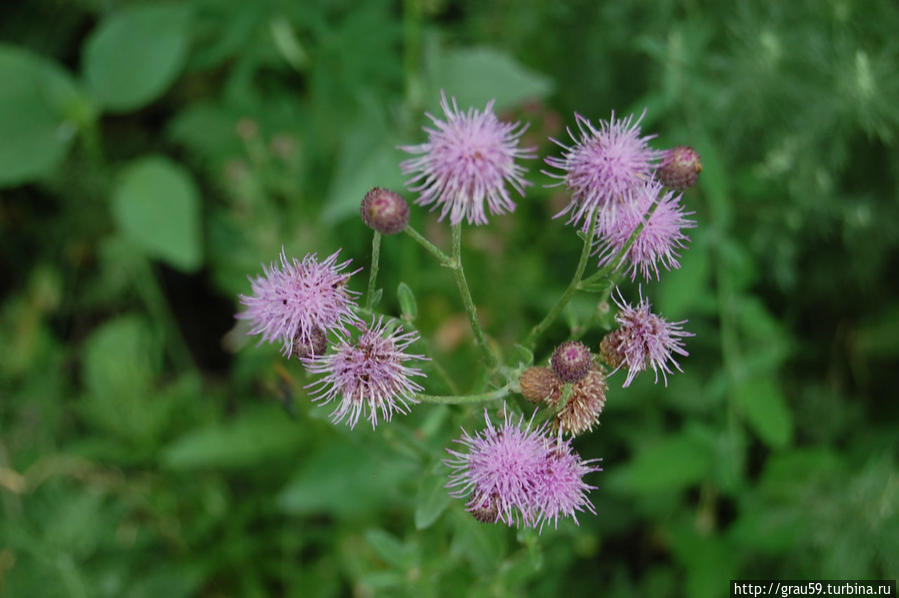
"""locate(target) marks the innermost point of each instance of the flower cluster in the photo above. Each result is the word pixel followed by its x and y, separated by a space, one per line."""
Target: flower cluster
pixel 625 198
pixel 519 475
pixel 300 304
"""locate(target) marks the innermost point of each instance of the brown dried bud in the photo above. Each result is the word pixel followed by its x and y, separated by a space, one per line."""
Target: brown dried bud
pixel 538 383
pixel 314 347
pixel 585 404
pixel 610 349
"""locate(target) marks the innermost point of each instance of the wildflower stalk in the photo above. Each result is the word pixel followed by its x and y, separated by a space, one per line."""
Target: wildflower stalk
pixel 465 399
pixel 606 272
pixel 445 260
pixel 373 271
pixel 573 286
pixel 470 308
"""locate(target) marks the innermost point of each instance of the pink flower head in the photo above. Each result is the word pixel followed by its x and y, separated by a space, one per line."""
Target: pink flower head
pixel 660 239
pixel 517 474
pixel 290 302
pixel 561 489
pixel 368 376
pixel 499 471
pixel 469 158
pixel 603 169
pixel 644 339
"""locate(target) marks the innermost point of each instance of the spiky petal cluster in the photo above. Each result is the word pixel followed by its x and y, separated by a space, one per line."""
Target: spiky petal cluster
pixel 369 376
pixel 468 160
pixel 518 474
pixel 603 169
pixel 659 241
pixel 561 489
pixel 644 339
pixel 288 303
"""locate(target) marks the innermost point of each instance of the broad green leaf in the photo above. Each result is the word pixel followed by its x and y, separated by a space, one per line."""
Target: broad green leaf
pixel 390 548
pixel 406 297
pixel 765 409
pixel 133 56
pixel 672 463
pixel 250 439
pixel 432 499
pixel 482 544
pixel 708 559
pixel 474 76
pixel 121 357
pixel 682 289
pixel 40 109
pixel 344 480
pixel 157 206
pixel 367 159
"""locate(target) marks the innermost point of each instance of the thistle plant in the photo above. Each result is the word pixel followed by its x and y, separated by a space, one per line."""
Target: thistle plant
pixel 626 205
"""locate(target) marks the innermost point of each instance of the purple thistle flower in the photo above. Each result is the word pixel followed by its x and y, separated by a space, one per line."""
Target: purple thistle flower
pixel 644 339
pixel 290 302
pixel 469 158
pixel 519 475
pixel 499 470
pixel 603 169
pixel 561 489
pixel 368 376
pixel 658 242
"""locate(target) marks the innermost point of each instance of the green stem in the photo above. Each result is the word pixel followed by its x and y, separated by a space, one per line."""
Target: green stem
pixel 153 296
pixel 465 399
pixel 445 260
pixel 470 308
pixel 373 271
pixel 612 265
pixel 573 286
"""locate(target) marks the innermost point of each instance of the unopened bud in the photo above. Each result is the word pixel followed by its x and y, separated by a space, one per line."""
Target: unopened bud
pixel 571 361
pixel 384 211
pixel 679 168
pixel 538 384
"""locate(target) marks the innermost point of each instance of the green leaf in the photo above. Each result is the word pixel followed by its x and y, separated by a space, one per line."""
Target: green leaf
pixel 367 158
pixel 684 288
pixel 432 499
pixel 406 297
pixel 765 409
pixel 474 76
pixel 156 205
pixel 135 54
pixel 345 480
pixel 481 544
pixel 250 439
pixel 389 548
pixel 672 463
pixel 40 109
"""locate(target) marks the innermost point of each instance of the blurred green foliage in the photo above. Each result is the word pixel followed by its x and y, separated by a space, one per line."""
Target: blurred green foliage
pixel 154 154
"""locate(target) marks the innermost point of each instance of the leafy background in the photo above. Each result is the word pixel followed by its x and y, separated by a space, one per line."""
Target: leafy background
pixel 155 154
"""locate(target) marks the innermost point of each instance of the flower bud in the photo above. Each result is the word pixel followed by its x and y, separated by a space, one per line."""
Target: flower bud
pixel 538 383
pixel 571 361
pixel 610 349
pixel 384 211
pixel 314 346
pixel 679 168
